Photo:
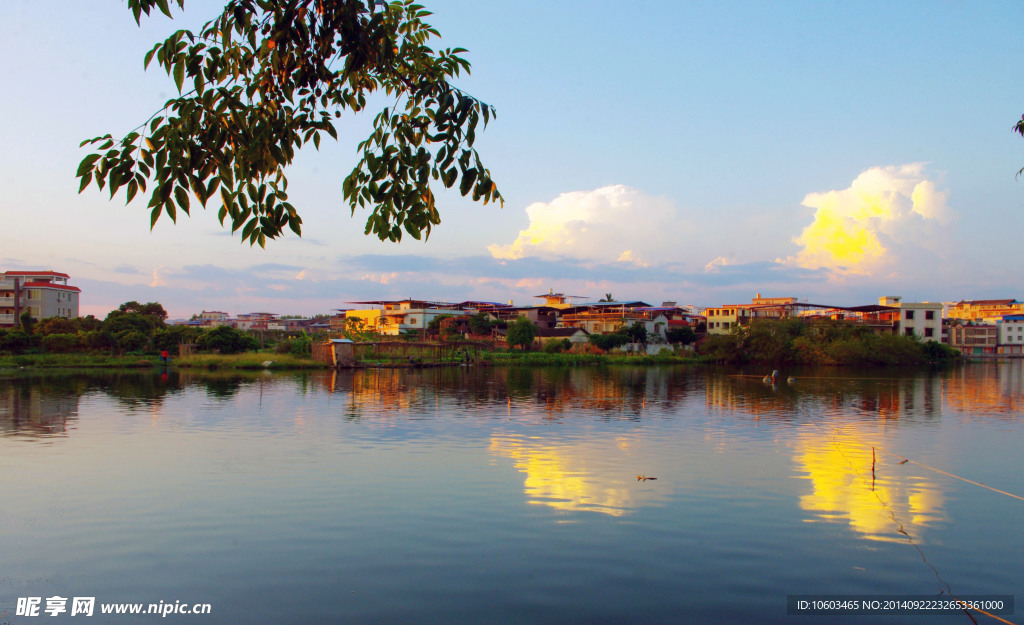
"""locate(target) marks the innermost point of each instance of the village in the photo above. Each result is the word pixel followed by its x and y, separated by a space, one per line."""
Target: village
pixel 976 328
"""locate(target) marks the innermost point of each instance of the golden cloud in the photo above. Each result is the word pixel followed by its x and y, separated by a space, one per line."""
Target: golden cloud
pixel 857 230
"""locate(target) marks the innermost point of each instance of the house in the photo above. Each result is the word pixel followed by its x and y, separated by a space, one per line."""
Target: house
pixel 609 317
pixel 213 318
pixel 975 310
pixel 973 338
pixel 920 319
pixel 43 294
pixel 575 336
pixel 723 319
pixel 1009 334
pixel 394 317
pixel 256 321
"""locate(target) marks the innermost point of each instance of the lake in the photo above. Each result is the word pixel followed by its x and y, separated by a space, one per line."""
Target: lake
pixel 493 495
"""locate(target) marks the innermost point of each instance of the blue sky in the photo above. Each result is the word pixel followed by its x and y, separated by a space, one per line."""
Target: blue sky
pixel 700 152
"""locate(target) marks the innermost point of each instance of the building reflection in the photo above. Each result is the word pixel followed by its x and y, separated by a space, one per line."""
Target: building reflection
pixel 884 398
pixel 578 478
pixel 989 388
pixel 623 392
pixel 36 411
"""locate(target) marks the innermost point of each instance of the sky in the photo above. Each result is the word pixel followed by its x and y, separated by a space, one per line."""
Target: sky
pixel 696 152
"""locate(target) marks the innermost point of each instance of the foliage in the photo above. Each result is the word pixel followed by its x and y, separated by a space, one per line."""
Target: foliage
pixel 637 333
pixel 1019 129
pixel 480 323
pixel 434 325
pixel 14 341
pixel 684 335
pixel 226 340
pixel 793 341
pixel 61 343
pixel 608 342
pixel 27 323
pixel 557 346
pixel 266 77
pixel 355 329
pixel 520 333
pixel 301 345
pixel 170 337
pixel 152 309
pixel 131 340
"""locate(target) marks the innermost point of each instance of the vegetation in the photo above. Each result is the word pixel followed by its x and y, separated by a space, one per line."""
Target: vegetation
pixel 520 333
pixel 796 342
pixel 248 360
pixel 265 78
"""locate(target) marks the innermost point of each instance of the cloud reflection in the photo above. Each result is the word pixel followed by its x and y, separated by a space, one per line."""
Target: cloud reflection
pixel 839 469
pixel 570 477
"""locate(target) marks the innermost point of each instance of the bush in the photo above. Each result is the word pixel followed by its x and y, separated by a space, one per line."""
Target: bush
pixel 226 340
pixel 299 346
pixel 556 346
pixel 14 341
pixel 608 342
pixel 61 343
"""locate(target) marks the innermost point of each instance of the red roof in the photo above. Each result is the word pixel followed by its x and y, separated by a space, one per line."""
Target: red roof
pixel 50 285
pixel 55 274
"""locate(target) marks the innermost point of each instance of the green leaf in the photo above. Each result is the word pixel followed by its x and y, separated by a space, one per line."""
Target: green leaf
pixel 467 181
pixel 179 73
pixel 86 179
pixel 133 188
pixel 86 165
pixel 181 195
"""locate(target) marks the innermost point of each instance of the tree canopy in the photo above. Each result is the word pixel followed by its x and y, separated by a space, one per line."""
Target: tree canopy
pixel 1019 129
pixel 265 78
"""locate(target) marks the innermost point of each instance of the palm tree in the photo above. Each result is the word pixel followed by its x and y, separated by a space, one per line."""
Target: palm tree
pixel 607 298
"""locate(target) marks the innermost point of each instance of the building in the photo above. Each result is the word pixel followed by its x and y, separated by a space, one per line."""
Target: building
pixel 256 321
pixel 213 318
pixel 920 319
pixel 401 316
pixel 976 310
pixel 1010 334
pixel 43 294
pixel 972 338
pixel 723 319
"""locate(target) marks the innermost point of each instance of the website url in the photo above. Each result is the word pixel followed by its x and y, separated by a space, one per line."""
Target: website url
pixel 163 609
pixel 85 606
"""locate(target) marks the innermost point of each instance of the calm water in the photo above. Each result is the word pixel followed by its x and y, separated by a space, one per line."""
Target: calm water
pixel 509 495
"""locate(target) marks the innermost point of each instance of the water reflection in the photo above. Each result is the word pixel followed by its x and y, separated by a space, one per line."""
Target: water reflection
pixel 578 477
pixel 852 482
pixel 37 411
pixel 990 388
pixel 881 394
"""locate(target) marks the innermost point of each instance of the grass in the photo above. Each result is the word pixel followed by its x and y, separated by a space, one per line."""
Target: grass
pixel 51 361
pixel 247 360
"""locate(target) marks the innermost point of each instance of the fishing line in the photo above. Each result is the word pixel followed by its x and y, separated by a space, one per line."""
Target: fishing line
pixel 837 431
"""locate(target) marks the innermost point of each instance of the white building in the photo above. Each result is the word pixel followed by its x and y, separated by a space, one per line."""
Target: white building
pixel 43 294
pixel 920 319
pixel 1011 334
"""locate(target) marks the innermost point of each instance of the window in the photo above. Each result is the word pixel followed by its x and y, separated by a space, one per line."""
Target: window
pixel 928 332
pixel 929 314
pixel 412 321
pixel 909 331
pixel 910 314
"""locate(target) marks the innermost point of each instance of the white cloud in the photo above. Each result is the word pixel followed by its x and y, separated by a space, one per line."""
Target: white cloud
pixel 603 225
pixel 885 214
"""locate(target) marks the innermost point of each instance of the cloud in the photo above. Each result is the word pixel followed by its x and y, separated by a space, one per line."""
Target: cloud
pixel 886 213
pixel 603 225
